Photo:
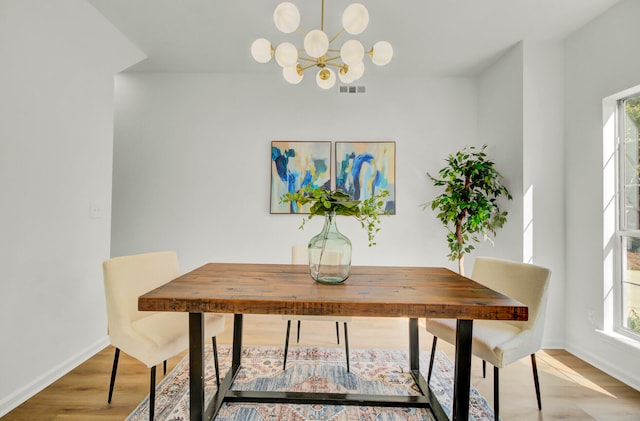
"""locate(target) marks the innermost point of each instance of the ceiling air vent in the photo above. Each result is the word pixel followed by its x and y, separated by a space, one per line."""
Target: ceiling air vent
pixel 351 89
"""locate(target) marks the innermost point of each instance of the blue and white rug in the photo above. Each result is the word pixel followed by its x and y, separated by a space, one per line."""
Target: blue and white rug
pixel 312 370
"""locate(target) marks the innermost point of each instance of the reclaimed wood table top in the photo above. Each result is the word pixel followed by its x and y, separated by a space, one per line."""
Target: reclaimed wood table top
pixel 370 291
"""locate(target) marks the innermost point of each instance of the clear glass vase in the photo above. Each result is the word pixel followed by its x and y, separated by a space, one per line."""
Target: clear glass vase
pixel 330 254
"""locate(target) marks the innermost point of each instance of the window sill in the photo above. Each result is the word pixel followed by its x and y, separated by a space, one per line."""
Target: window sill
pixel 619 339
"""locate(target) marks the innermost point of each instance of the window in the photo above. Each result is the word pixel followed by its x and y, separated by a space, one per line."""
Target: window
pixel 629 215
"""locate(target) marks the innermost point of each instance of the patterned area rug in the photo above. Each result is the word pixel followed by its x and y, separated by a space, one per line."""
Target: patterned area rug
pixel 312 370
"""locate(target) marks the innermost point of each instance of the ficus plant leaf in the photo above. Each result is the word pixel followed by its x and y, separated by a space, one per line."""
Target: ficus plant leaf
pixel 367 211
pixel 468 207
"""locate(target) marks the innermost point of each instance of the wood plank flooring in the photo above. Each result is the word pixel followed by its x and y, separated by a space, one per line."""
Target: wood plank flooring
pixel 571 389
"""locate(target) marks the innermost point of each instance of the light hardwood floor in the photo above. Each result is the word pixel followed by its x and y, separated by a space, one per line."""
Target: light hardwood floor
pixel 571 388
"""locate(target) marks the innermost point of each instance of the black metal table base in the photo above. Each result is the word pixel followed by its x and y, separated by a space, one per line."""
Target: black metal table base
pixel 226 394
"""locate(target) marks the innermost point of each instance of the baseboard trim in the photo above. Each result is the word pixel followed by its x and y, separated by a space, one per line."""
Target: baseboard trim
pixel 604 365
pixel 21 395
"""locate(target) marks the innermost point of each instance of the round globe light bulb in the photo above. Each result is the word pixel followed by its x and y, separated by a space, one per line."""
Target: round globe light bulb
pixel 293 74
pixel 356 71
pixel 352 52
pixel 286 54
pixel 326 78
pixel 286 17
pixel 382 53
pixel 261 50
pixel 355 18
pixel 316 43
pixel 344 74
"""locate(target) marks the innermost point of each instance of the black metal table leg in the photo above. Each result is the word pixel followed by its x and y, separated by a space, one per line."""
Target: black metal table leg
pixel 462 371
pixel 414 346
pixel 414 367
pixel 225 394
pixel 237 342
pixel 196 366
pixel 224 388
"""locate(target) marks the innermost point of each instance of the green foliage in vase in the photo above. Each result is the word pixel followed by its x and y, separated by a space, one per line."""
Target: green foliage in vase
pixel 469 205
pixel 367 211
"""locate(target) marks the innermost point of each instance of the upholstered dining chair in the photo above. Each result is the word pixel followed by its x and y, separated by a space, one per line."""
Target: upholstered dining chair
pixel 150 337
pixel 300 256
pixel 503 342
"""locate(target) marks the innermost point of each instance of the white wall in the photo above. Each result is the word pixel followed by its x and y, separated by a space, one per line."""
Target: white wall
pixel 192 162
pixel 521 107
pixel 601 60
pixel 500 126
pixel 543 173
pixel 56 129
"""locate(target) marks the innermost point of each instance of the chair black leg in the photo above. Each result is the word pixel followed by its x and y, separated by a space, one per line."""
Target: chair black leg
pixel 286 345
pixel 535 380
pixel 338 332
pixel 164 368
pixel 484 369
pixel 215 360
pixel 152 393
pixel 346 346
pixel 433 354
pixel 298 334
pixel 496 393
pixel 114 369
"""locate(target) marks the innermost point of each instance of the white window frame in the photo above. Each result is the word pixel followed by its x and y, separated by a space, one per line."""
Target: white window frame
pixel 622 232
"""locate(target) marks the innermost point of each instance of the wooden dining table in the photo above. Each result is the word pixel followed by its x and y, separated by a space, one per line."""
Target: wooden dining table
pixel 370 291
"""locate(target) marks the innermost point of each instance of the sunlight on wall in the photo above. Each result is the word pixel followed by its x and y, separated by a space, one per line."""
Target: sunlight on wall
pixel 527 226
pixel 607 293
pixel 608 212
pixel 609 178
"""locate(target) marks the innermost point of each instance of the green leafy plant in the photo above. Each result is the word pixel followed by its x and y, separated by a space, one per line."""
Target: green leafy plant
pixel 367 211
pixel 468 207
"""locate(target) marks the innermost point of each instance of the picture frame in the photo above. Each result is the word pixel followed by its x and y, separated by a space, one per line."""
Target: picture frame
pixel 297 164
pixel 365 168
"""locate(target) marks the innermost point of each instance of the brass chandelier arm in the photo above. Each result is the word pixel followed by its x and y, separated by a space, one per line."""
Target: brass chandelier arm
pixel 320 63
pixel 337 65
pixel 336 36
pixel 327 59
pixel 319 60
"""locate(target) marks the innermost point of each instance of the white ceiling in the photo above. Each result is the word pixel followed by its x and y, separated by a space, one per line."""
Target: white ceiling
pixel 430 37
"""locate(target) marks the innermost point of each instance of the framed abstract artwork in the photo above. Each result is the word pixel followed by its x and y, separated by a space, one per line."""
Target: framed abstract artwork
pixel 294 165
pixel 365 168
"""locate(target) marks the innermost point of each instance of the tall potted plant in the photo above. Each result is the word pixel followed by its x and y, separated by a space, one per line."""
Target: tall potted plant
pixel 330 251
pixel 468 208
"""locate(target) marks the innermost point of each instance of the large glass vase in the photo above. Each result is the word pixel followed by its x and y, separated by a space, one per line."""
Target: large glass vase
pixel 330 254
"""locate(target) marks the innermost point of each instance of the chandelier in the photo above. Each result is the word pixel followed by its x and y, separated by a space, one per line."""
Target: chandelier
pixel 348 61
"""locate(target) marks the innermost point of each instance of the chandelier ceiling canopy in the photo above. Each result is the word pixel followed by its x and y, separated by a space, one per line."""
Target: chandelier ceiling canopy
pixel 317 51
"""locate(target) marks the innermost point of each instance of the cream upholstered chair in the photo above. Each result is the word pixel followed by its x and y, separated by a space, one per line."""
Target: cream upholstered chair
pixel 150 337
pixel 503 342
pixel 300 256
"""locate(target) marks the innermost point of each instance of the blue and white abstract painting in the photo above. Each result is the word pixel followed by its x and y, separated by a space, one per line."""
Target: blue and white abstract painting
pixel 365 168
pixel 295 165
